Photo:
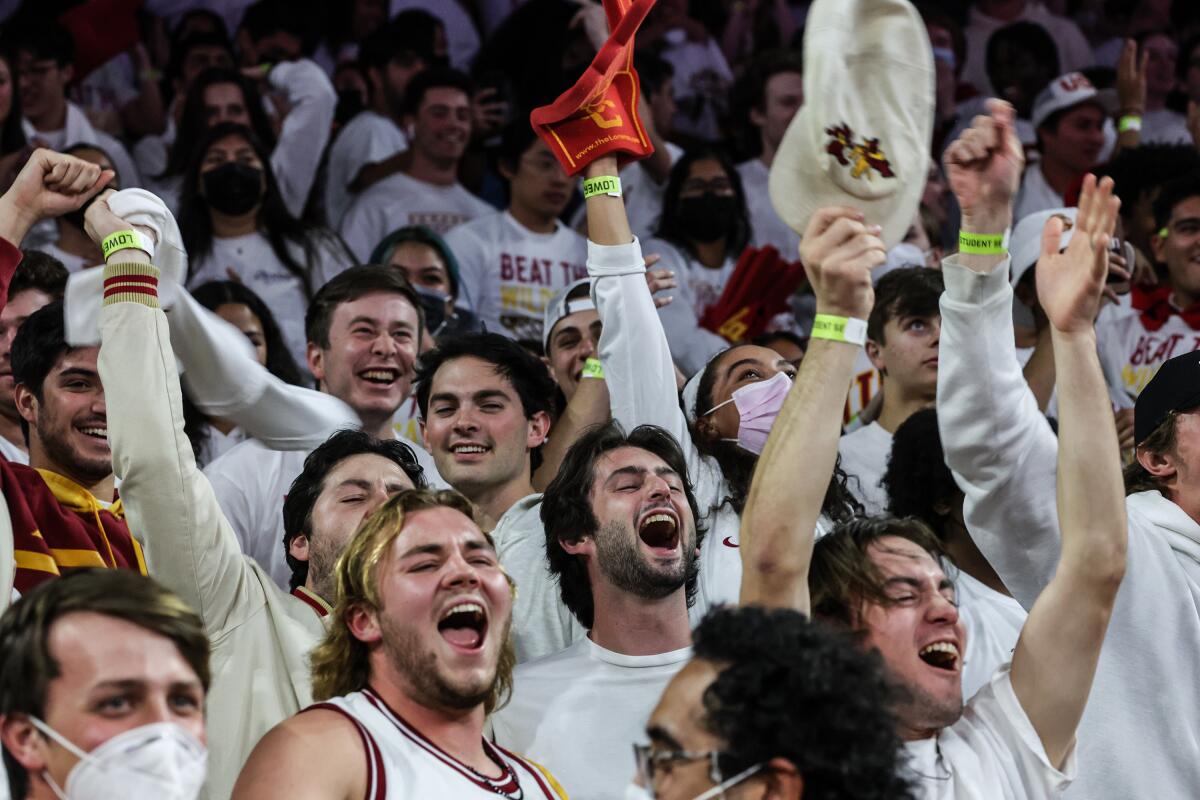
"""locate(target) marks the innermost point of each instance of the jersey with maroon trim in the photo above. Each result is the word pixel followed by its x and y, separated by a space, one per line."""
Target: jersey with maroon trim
pixel 402 763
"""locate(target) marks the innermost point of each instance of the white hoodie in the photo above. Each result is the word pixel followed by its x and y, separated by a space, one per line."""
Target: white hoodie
pixel 1140 733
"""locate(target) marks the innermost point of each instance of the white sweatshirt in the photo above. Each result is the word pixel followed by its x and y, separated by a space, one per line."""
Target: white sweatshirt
pixel 1140 733
pixel 641 389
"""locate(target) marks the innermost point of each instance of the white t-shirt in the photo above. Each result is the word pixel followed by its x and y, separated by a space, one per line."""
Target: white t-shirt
pixel 991 753
pixel 865 454
pixel 768 228
pixel 78 129
pixel 401 762
pixel 509 273
pixel 1130 355
pixel 993 622
pixel 580 712
pixel 367 139
pixel 255 262
pixel 72 262
pixel 644 197
pixel 250 482
pixel 1035 194
pixel 397 201
pixel 699 287
pixel 542 624
pixel 15 454
pixel 1165 126
pixel 217 444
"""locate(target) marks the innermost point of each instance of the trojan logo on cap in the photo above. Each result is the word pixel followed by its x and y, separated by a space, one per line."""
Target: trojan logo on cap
pixel 865 157
pixel 862 137
pixel 598 115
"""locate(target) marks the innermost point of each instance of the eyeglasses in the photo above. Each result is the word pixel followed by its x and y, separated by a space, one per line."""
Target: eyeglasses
pixel 650 760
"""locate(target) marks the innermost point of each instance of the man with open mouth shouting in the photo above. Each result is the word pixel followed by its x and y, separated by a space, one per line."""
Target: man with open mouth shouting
pixel 886 578
pixel 418 654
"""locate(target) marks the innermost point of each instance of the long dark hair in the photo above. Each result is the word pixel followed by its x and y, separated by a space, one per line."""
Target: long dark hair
pixel 738 465
pixel 193 124
pixel 670 224
pixel 274 221
pixel 12 135
pixel 213 295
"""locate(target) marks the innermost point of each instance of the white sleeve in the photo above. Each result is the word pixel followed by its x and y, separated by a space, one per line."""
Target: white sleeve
pixel 364 225
pixel 634 351
pixel 474 276
pixel 998 445
pixel 691 345
pixel 331 257
pixel 225 380
pixel 1005 742
pixel 235 490
pixel 305 130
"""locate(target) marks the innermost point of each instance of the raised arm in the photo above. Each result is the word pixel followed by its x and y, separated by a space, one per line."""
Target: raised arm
pixel 637 361
pixel 997 443
pixel 48 185
pixel 189 546
pixel 839 250
pixel 305 129
pixel 1056 656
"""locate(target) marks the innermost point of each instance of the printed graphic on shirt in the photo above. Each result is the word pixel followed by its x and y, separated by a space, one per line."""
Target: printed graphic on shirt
pixel 1149 352
pixel 437 221
pixel 527 285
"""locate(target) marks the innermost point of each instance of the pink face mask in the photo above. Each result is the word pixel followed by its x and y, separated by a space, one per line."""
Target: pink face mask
pixel 758 404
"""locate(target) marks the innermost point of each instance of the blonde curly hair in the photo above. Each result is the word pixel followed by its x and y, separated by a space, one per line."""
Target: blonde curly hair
pixel 341 664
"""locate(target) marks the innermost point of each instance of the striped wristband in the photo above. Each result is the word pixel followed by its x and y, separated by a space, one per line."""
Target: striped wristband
pixel 131 283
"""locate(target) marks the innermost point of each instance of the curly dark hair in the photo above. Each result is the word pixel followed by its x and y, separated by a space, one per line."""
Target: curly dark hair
pixel 917 479
pixel 567 506
pixel 800 690
pixel 737 465
pixel 306 488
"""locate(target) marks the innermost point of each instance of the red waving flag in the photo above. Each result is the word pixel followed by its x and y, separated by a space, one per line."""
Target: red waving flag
pixel 598 115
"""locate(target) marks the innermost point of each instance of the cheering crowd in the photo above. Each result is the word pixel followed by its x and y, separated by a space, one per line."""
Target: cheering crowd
pixel 547 399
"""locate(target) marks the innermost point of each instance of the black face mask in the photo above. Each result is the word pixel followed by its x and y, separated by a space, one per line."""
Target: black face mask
pixel 433 304
pixel 233 188
pixel 707 217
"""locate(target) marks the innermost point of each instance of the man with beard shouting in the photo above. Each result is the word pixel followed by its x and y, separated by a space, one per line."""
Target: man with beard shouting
pixel 418 654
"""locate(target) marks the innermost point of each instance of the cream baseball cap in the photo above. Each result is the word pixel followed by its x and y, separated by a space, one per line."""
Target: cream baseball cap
pixel 862 137
pixel 1026 240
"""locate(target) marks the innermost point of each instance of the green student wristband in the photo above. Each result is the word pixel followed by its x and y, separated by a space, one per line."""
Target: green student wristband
pixel 981 244
pixel 602 184
pixel 840 329
pixel 592 368
pixel 125 240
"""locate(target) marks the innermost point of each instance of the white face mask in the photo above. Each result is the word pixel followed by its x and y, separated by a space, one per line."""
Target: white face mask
pixel 160 761
pixel 635 792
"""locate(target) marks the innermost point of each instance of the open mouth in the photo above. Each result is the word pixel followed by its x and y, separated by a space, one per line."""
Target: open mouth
pixel 659 530
pixel 464 625
pixel 940 655
pixel 468 449
pixel 380 377
pixel 95 431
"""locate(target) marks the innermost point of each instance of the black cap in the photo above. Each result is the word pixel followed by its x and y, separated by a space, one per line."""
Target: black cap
pixel 1176 387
